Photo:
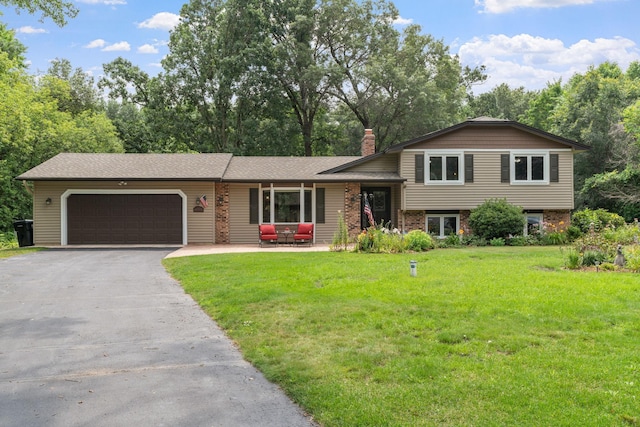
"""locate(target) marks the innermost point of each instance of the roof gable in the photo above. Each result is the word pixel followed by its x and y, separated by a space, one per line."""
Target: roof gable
pixel 480 123
pixel 488 122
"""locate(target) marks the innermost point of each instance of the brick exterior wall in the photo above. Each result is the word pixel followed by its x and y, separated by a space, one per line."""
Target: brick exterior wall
pixel 464 222
pixel 556 220
pixel 352 208
pixel 222 213
pixel 413 220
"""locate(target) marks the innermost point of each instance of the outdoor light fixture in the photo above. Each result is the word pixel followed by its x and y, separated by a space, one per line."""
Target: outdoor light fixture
pixel 48 201
pixel 122 183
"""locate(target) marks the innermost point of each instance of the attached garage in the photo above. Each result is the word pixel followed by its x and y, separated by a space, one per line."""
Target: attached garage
pixel 124 219
pixel 127 199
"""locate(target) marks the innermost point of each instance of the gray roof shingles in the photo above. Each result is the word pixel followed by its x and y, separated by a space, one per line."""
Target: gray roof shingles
pixel 223 167
pixel 90 166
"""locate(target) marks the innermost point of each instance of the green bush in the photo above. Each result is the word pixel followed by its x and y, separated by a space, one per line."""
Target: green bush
pixel 518 241
pixel 632 256
pixel 497 241
pixel 451 241
pixel 590 258
pixel 573 261
pixel 379 240
pixel 607 266
pixel 418 240
pixel 496 218
pixel 8 241
pixel 600 218
pixel 573 232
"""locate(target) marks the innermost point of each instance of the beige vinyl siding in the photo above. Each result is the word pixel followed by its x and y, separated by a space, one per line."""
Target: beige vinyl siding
pixel 503 138
pixel 241 232
pixel 47 218
pixel 334 202
pixel 386 163
pixel 487 185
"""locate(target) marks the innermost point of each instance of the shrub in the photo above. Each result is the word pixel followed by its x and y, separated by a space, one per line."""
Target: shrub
pixel 497 241
pixel 472 240
pixel 573 232
pixel 518 241
pixel 592 257
pixel 632 256
pixel 573 260
pixel 379 240
pixel 607 266
pixel 600 218
pixel 496 218
pixel 451 241
pixel 418 240
pixel 8 241
pixel 557 238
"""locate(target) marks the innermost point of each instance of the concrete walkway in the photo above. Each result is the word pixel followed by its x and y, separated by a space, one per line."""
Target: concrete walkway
pixel 190 250
pixel 104 337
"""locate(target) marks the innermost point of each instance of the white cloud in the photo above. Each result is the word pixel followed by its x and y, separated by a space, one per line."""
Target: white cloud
pixel 532 62
pixel 95 44
pixel 504 6
pixel 107 2
pixel 118 47
pixel 30 30
pixel 161 21
pixel 147 48
pixel 402 21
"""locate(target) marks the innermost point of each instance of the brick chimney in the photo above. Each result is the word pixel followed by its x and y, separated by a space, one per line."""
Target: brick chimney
pixel 368 146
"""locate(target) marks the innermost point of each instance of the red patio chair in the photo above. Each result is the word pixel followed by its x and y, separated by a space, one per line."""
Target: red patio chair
pixel 304 234
pixel 267 233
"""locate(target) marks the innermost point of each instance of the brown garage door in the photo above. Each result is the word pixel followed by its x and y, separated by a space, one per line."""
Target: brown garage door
pixel 124 219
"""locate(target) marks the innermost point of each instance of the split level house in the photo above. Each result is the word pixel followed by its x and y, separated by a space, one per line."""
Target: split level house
pixel 429 183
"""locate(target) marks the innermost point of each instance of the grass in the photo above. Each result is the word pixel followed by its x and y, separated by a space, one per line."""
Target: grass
pixel 482 336
pixel 7 253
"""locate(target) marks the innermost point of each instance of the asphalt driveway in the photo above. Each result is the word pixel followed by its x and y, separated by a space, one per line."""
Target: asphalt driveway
pixel 105 337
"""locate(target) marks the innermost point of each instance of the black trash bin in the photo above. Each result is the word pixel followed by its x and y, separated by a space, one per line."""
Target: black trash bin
pixel 24 231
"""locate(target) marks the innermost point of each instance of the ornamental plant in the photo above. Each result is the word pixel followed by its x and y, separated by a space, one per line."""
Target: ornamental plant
pixel 418 240
pixel 496 218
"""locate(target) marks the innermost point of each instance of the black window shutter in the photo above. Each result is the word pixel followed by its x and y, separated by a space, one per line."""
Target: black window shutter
pixel 319 205
pixel 505 171
pixel 419 168
pixel 468 168
pixel 554 168
pixel 253 206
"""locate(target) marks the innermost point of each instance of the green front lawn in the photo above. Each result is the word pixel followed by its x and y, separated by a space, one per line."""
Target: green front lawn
pixel 482 336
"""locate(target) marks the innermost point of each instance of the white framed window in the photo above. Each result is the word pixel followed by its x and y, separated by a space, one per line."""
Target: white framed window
pixel 444 167
pixel 533 223
pixel 287 205
pixel 442 225
pixel 530 167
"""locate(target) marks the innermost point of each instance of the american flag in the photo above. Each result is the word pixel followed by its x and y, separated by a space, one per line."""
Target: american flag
pixel 367 210
pixel 203 201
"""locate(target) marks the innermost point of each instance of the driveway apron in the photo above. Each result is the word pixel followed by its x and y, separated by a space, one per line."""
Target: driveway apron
pixel 105 337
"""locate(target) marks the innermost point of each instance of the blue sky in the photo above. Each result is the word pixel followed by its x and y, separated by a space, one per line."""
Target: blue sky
pixel 521 42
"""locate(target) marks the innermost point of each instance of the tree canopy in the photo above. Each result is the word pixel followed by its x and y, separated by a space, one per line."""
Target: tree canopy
pixel 57 10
